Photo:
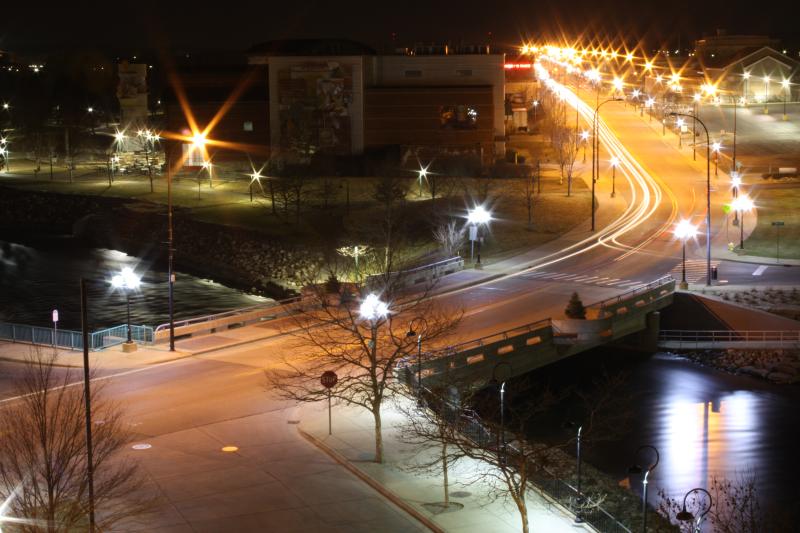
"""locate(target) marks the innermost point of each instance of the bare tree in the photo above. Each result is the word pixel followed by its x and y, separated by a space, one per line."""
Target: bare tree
pixel 530 195
pixel 362 339
pixel 450 237
pixel 43 460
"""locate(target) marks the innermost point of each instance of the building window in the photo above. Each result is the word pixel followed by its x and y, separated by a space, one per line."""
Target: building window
pixel 464 72
pixel 459 117
pixel 413 74
pixel 248 125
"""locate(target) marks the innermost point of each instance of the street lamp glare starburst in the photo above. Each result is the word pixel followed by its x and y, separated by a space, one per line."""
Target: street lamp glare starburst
pixel 373 308
pixel 684 230
pixel 127 279
pixel 479 215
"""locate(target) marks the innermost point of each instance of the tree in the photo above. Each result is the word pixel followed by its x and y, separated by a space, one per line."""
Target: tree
pixel 43 460
pixel 530 196
pixel 390 193
pixel 450 237
pixel 575 308
pixel 362 337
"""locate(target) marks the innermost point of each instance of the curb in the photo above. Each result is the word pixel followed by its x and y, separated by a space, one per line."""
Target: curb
pixel 386 493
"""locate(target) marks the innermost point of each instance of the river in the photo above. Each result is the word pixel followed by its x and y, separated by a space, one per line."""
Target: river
pixel 34 281
pixel 703 421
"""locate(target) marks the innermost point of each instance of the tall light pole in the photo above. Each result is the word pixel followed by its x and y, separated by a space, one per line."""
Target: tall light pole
pixel 596 151
pixel 680 123
pixel 374 310
pixel 684 230
pixel 708 198
pixel 746 76
pixel 736 183
pixel 695 102
pixel 127 281
pixel 170 255
pixel 637 469
pixel 585 141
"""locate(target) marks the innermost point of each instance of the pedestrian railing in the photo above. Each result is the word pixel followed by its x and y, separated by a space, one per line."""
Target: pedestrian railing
pixel 73 340
pixel 469 424
pixel 677 339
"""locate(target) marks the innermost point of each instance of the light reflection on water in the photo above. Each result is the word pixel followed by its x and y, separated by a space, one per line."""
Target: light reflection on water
pixel 33 282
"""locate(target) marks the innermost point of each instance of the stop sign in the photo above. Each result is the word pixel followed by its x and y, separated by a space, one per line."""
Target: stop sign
pixel 329 379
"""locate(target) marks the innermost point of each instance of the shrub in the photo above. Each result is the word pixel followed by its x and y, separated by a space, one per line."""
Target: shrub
pixel 575 308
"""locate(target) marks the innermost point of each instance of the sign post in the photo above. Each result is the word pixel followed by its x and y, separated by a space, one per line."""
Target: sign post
pixel 777 224
pixel 329 380
pixel 55 327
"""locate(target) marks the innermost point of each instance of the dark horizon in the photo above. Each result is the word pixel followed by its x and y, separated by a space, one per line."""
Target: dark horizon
pixel 183 26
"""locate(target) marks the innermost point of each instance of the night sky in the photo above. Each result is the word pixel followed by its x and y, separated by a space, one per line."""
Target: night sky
pixel 236 25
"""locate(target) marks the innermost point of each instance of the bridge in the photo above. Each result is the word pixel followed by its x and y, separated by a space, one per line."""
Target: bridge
pixel 538 344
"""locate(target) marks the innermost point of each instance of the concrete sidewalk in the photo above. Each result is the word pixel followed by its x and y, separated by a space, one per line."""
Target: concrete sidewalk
pixel 353 444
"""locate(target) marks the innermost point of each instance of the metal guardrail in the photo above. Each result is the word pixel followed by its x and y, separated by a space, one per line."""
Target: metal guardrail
pixel 73 340
pixel 693 338
pixel 602 304
pixel 413 276
pixel 227 314
pixel 469 424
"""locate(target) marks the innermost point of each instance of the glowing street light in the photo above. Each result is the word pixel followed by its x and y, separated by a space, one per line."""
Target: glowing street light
pixel 742 204
pixel 680 123
pixel 372 308
pixel 127 280
pixel 422 174
pixel 255 176
pixel 614 162
pixel 684 230
pixel 585 141
pixel 716 146
pixel 476 217
pixel 785 86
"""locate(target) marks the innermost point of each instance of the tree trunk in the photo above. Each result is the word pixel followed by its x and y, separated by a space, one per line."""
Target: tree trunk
pixel 519 499
pixel 376 413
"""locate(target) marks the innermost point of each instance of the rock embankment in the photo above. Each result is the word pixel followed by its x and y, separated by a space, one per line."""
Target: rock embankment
pixel 235 256
pixel 778 366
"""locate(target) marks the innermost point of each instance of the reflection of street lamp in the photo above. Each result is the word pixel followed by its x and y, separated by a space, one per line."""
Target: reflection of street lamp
pixel 128 281
pixel 417 332
pixel 684 230
pixel 614 162
pixel 476 217
pixel 741 204
pixel 686 516
pixel 637 469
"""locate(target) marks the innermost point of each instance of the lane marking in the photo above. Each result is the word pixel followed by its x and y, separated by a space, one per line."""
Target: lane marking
pixel 760 270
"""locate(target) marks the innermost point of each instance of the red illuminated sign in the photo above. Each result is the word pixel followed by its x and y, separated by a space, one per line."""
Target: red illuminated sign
pixel 516 66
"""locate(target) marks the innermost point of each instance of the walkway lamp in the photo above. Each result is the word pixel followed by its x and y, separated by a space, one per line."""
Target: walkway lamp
pixel 373 309
pixel 736 183
pixel 684 231
pixel 716 146
pixel 785 86
pixel 649 103
pixel 127 281
pixel 685 516
pixel 680 123
pixel 585 141
pixel 475 218
pixel 255 176
pixel 766 94
pixel 708 198
pixel 637 469
pixel 415 329
pixel 422 174
pixel 741 204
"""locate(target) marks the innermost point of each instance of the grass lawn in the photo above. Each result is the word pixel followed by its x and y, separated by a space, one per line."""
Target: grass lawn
pixel 228 203
pixel 776 203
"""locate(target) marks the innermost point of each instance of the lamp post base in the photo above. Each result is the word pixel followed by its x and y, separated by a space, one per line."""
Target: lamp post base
pixel 129 347
pixel 684 286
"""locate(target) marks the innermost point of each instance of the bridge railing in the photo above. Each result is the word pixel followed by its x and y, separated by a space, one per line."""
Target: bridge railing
pixel 665 283
pixel 689 337
pixel 73 340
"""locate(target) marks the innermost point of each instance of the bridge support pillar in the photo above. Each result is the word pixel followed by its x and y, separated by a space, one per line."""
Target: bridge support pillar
pixel 648 338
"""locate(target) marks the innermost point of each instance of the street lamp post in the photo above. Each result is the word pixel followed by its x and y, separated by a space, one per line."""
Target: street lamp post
pixel 736 183
pixel 684 230
pixel 716 147
pixel 596 152
pixel 680 122
pixel 686 516
pixel 766 94
pixel 637 469
pixel 708 198
pixel 742 204
pixel 417 332
pixel 476 217
pixel 127 281
pixel 585 141
pixel 614 162
pixel 696 100
pixel 785 87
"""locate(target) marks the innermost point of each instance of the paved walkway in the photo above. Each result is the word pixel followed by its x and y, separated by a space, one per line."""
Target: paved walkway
pixel 353 442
